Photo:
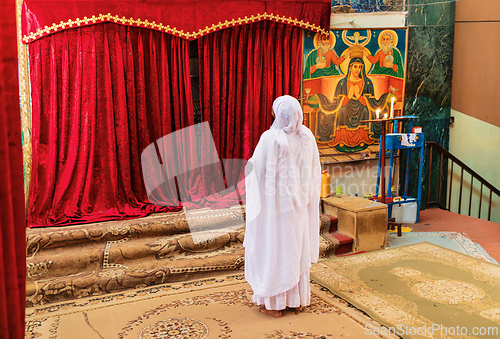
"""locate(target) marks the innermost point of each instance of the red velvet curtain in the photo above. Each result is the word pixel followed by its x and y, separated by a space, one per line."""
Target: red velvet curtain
pixel 12 211
pixel 242 70
pixel 100 95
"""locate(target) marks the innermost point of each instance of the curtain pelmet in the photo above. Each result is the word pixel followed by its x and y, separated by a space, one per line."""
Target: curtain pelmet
pixel 188 19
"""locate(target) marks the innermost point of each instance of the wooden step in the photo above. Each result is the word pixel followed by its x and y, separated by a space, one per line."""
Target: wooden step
pixel 345 243
pixel 333 224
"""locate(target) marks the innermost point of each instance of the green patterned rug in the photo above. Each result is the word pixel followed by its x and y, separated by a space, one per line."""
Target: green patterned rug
pixel 419 291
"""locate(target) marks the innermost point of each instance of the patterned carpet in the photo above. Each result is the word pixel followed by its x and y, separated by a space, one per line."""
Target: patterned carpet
pixel 218 307
pixel 455 241
pixel 65 263
pixel 420 290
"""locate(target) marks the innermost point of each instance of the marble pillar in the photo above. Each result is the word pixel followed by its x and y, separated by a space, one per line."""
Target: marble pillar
pixel 429 77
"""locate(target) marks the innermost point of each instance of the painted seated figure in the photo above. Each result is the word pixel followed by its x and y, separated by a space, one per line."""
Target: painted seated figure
pixel 322 60
pixel 340 120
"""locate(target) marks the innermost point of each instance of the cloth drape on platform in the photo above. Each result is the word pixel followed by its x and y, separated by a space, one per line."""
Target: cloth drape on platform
pixel 101 94
pixel 12 211
pixel 283 194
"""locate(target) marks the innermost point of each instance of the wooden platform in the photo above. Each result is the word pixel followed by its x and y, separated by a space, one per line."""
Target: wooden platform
pixel 361 219
pixel 65 263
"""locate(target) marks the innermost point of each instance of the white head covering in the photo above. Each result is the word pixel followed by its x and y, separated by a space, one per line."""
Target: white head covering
pixel 288 113
pixel 288 119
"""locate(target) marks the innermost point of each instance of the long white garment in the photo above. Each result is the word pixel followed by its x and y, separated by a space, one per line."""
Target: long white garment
pixel 282 203
pixel 299 295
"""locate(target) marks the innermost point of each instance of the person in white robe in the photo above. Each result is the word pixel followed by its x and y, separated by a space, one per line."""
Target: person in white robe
pixel 282 211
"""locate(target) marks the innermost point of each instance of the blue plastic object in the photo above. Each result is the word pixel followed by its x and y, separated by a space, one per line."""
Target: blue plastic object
pixel 397 141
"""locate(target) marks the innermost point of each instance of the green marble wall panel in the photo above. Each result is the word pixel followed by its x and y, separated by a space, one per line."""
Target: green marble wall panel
pixel 430 13
pixel 429 71
pixel 428 82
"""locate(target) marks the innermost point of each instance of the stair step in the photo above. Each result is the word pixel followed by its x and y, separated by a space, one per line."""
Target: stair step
pixel 343 239
pixel 71 262
pixel 85 258
pixel 333 224
pixel 139 274
pixel 160 224
pixel 345 245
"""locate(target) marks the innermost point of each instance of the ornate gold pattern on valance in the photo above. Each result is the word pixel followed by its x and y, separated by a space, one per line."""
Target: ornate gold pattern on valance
pixel 167 28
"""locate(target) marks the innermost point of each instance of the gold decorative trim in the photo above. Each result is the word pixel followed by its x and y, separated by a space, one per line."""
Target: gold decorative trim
pixel 167 28
pixel 25 103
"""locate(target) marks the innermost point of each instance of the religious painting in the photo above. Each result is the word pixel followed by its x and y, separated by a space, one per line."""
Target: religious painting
pixel 351 78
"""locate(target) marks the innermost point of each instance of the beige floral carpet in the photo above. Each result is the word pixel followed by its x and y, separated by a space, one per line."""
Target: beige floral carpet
pixel 419 291
pixel 216 307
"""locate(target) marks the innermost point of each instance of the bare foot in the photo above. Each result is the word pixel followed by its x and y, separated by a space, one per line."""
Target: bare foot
pixel 274 313
pixel 297 310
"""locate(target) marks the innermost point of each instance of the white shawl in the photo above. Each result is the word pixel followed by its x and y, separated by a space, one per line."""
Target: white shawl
pixel 282 203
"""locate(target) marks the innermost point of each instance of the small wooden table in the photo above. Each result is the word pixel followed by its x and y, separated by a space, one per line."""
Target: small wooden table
pixel 361 219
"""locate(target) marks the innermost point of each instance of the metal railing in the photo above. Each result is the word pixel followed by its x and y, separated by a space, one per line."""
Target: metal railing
pixel 448 180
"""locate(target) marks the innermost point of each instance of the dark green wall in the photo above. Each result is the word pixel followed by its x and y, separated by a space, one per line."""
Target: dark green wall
pixel 428 78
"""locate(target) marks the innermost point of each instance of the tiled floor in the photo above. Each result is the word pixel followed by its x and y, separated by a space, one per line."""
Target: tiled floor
pixel 485 233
